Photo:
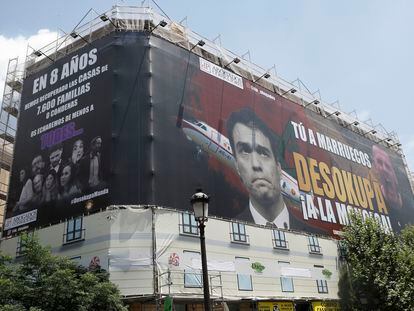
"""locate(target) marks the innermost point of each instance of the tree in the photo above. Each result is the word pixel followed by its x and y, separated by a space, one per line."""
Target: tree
pixel 42 282
pixel 379 269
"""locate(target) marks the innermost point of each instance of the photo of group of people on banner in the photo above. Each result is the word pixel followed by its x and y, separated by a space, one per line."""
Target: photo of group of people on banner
pixel 64 171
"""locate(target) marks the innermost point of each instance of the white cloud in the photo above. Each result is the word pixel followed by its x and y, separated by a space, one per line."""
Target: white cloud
pixel 18 46
pixel 363 115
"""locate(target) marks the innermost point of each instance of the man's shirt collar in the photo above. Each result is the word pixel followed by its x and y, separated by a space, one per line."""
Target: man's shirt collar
pixel 281 221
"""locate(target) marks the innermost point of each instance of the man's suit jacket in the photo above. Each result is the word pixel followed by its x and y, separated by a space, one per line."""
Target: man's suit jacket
pixel 59 170
pixel 247 216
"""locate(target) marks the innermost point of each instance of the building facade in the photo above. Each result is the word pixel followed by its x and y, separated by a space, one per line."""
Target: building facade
pixel 121 123
pixel 153 253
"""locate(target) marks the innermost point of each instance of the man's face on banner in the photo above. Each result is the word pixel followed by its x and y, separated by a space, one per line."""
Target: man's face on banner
pixel 386 174
pixel 256 164
pixel 37 165
pixel 55 157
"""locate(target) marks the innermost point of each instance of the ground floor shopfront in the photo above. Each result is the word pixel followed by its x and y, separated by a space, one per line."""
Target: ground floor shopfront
pixel 242 305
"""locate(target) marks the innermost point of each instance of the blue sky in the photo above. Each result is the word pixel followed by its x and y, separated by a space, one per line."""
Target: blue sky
pixel 357 52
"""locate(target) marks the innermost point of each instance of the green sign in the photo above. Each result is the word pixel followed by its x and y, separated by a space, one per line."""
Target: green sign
pixel 168 302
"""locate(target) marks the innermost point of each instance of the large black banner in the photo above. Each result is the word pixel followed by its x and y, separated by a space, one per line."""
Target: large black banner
pixel 62 151
pixel 134 119
pixel 263 158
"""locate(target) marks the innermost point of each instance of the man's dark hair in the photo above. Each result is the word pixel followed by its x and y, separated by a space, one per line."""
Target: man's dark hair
pixel 93 141
pixel 58 146
pixel 247 117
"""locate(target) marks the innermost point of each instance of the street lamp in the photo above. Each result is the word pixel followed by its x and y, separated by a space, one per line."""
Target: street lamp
pixel 199 202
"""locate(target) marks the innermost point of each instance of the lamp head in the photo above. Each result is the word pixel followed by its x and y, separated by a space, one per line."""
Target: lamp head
pixel 199 202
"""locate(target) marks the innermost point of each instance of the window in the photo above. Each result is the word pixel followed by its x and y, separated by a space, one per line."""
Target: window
pixel 286 283
pixel 322 286
pixel 21 247
pixel 192 277
pixel 76 259
pixel 239 233
pixel 342 250
pixel 279 239
pixel 244 279
pixel 188 224
pixel 74 230
pixel 314 247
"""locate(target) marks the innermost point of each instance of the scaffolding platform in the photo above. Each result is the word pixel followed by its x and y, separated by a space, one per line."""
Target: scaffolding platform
pixel 11 110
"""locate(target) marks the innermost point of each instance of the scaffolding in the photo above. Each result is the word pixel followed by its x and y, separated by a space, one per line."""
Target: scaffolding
pixel 172 283
pixel 130 18
pixel 8 124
